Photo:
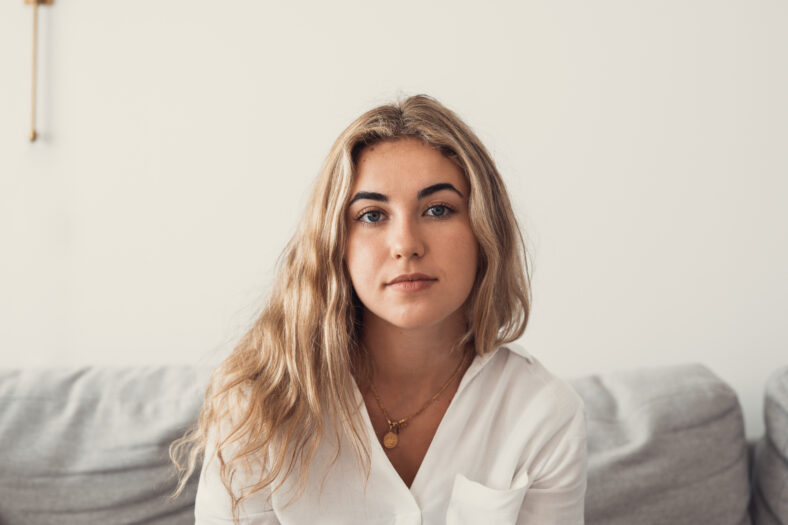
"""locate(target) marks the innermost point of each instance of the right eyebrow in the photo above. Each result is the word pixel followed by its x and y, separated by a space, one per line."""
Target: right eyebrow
pixel 368 195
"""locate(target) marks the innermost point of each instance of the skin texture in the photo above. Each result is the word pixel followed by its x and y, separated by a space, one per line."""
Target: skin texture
pixel 408 335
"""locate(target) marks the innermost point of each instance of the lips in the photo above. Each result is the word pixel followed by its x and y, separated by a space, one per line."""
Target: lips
pixel 411 277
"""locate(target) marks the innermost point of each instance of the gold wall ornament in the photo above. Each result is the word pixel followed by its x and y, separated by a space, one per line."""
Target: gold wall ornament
pixel 35 4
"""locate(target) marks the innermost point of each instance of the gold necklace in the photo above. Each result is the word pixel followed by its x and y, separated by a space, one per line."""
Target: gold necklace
pixel 391 438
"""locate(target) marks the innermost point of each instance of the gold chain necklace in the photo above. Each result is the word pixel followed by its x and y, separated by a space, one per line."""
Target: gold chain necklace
pixel 391 438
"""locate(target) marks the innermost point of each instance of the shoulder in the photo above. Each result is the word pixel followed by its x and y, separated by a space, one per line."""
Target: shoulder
pixel 527 372
pixel 215 493
pixel 535 391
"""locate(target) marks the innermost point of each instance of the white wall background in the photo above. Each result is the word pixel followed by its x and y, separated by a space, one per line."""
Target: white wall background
pixel 644 144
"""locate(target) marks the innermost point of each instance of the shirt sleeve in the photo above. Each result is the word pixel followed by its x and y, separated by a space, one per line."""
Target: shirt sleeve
pixel 556 495
pixel 213 505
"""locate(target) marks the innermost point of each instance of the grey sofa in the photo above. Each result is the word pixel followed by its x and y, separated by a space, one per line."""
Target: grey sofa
pixel 666 446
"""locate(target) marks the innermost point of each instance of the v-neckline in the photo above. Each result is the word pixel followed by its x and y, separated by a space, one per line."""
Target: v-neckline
pixel 377 447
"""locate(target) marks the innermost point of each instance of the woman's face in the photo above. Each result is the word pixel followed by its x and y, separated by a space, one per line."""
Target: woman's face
pixel 409 215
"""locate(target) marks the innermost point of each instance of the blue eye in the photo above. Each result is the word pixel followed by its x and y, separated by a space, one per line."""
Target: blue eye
pixel 441 210
pixel 373 216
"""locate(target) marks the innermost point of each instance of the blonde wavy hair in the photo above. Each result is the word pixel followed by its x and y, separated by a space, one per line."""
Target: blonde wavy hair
pixel 267 403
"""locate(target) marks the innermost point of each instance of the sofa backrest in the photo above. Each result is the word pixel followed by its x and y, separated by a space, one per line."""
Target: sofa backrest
pixel 90 446
pixel 666 445
pixel 770 463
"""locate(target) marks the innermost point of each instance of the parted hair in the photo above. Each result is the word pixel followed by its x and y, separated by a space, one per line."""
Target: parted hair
pixel 266 406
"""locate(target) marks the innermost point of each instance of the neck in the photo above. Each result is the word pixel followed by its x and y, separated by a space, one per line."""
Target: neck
pixel 412 364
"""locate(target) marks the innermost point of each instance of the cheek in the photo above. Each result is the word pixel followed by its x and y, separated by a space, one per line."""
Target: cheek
pixel 463 248
pixel 360 260
pixel 458 253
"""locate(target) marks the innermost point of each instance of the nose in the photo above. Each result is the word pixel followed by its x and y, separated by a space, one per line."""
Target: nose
pixel 406 240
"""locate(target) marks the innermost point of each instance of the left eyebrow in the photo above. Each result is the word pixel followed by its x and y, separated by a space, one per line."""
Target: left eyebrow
pixel 429 190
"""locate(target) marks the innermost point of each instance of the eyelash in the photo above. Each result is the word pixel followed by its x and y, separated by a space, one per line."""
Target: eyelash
pixel 449 212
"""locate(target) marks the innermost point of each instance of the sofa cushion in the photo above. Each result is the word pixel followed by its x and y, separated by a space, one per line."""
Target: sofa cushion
pixel 770 464
pixel 665 445
pixel 90 446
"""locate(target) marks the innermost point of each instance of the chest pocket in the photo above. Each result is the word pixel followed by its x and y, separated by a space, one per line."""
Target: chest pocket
pixel 472 503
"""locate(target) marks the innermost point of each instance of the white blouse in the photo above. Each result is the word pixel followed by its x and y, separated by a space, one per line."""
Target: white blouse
pixel 511 448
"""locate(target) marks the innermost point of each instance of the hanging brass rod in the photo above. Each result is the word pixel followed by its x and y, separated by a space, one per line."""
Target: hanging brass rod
pixel 35 4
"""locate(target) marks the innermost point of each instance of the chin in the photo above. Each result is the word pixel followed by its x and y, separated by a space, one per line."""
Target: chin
pixel 411 324
pixel 414 318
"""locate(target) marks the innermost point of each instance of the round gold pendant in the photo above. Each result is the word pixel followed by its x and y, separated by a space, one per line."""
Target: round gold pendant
pixel 390 440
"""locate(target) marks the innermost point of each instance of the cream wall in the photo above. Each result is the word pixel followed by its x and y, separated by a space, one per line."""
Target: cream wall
pixel 644 144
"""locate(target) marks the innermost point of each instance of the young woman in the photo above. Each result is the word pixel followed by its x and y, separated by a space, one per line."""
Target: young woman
pixel 380 383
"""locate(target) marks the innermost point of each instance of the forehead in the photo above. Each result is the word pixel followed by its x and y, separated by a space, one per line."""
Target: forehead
pixel 404 165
